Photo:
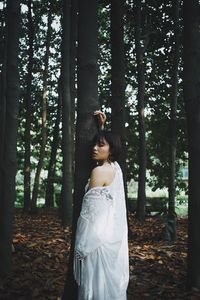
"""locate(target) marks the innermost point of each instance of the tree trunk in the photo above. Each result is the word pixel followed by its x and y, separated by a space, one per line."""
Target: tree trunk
pixel 141 202
pixel 10 105
pixel 44 115
pixel 73 59
pixel 67 176
pixel 49 199
pixel 192 102
pixel 118 73
pixel 171 217
pixel 118 81
pixel 86 125
pixel 27 134
pixel 2 34
pixel 3 59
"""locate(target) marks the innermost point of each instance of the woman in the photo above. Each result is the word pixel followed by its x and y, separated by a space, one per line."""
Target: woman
pixel 101 266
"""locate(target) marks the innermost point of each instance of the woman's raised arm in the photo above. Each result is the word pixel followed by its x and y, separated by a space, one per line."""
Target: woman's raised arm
pixel 101 117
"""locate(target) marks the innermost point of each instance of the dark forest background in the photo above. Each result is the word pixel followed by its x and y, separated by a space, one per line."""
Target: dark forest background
pixel 135 60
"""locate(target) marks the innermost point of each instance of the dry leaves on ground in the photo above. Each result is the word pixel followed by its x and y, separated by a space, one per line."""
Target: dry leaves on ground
pixel 157 268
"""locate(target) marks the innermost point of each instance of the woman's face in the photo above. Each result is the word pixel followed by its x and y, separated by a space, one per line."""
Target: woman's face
pixel 101 151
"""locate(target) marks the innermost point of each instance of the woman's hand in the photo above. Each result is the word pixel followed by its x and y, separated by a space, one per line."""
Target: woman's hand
pixel 101 118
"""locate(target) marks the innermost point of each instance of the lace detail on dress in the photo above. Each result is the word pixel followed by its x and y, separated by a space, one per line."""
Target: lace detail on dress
pixel 78 255
pixel 78 265
pixel 90 207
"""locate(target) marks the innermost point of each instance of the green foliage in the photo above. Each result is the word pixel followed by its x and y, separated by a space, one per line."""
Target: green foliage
pixel 157 41
pixel 153 205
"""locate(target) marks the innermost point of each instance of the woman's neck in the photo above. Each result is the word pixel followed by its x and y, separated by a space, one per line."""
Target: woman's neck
pixel 104 162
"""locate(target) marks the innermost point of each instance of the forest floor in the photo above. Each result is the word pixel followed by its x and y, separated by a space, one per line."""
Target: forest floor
pixel 157 268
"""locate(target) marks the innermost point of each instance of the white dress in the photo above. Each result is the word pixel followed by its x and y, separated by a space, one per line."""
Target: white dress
pixel 101 265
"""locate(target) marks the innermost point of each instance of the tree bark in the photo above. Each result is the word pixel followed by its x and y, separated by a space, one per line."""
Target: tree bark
pixel 3 87
pixel 67 176
pixel 86 125
pixel 141 202
pixel 118 74
pixel 10 105
pixel 171 217
pixel 27 134
pixel 192 102
pixel 73 61
pixel 44 115
pixel 2 33
pixel 49 199
pixel 118 81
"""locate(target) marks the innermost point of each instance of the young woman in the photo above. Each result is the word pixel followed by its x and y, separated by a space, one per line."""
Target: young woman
pixel 101 266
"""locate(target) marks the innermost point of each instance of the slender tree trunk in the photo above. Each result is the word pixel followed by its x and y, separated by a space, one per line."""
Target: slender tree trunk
pixel 192 101
pixel 86 125
pixel 118 73
pixel 73 54
pixel 49 199
pixel 2 34
pixel 8 163
pixel 27 134
pixel 44 115
pixel 171 218
pixel 3 83
pixel 3 87
pixel 141 203
pixel 118 81
pixel 67 176
pixel 73 60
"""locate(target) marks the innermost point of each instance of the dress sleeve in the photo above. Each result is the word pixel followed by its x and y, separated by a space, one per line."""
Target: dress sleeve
pixel 95 223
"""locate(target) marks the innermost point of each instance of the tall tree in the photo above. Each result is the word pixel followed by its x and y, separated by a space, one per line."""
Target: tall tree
pixel 9 115
pixel 27 133
pixel 192 102
pixel 49 199
pixel 67 176
pixel 43 112
pixel 141 203
pixel 73 60
pixel 2 82
pixel 73 77
pixel 118 81
pixel 171 217
pixel 85 127
pixel 118 73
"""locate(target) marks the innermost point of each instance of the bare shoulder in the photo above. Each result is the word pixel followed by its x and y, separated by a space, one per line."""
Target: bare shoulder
pixel 97 177
pixel 102 176
pixel 103 170
pixel 98 170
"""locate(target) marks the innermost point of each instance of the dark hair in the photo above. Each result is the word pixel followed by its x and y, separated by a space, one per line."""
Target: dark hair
pixel 112 139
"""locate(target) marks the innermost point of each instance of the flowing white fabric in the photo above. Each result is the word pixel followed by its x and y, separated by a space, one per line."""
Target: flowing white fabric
pixel 101 266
